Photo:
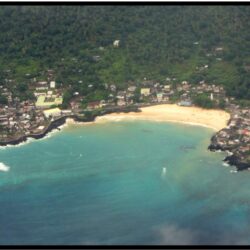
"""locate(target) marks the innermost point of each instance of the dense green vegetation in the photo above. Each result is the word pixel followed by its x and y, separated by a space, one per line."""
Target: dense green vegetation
pixel 3 100
pixel 202 100
pixel 155 42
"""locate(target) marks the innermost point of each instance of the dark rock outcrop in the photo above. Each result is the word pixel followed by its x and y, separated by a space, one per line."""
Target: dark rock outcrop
pixel 233 159
pixel 60 121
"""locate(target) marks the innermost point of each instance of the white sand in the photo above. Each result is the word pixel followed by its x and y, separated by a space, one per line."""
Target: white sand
pixel 212 118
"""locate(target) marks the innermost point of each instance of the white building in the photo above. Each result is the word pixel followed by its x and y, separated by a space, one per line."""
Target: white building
pixel 52 84
pixel 145 91
pixel 52 112
pixel 116 43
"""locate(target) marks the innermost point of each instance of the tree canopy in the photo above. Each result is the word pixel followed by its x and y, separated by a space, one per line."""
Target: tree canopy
pixel 155 42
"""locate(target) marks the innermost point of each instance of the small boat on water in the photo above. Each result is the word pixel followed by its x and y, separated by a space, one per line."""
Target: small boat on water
pixel 164 170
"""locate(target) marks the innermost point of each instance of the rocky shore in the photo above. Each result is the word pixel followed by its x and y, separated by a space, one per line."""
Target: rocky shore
pixel 55 124
pixel 232 159
pixel 234 139
pixel 219 141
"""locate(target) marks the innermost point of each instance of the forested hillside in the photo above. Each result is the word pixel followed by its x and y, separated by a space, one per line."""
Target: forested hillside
pixel 155 42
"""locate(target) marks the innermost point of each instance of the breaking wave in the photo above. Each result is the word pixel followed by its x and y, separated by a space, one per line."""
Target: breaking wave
pixel 30 139
pixel 4 167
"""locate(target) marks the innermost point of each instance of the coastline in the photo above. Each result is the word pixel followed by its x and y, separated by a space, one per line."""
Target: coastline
pixel 214 119
pixel 195 116
pixel 57 123
pixel 54 125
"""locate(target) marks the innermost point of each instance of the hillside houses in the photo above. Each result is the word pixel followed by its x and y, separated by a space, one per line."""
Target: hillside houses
pixel 94 105
pixel 43 85
pixel 145 91
pixel 121 98
pixel 26 117
pixel 21 119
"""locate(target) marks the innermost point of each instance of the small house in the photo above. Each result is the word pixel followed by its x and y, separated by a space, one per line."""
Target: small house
pixel 121 102
pixel 112 87
pixel 131 88
pixel 116 43
pixel 52 84
pixel 93 105
pixel 159 97
pixel 52 112
pixel 185 103
pixel 145 91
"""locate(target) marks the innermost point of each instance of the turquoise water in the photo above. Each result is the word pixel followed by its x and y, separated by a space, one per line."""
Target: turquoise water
pixel 105 184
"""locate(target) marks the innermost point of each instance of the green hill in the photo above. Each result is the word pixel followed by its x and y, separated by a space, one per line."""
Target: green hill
pixel 192 43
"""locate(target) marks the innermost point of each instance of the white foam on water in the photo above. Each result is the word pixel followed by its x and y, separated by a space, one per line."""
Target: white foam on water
pixel 63 126
pixel 113 118
pixel 233 171
pixel 4 167
pixel 29 140
pixel 225 164
pixel 54 131
pixel 50 134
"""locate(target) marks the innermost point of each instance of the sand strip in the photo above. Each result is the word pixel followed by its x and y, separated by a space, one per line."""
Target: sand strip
pixel 212 118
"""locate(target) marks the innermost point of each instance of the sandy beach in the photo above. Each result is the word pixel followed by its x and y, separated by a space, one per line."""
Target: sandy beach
pixel 215 119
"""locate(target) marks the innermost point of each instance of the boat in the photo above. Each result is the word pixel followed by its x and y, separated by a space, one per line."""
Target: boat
pixel 164 170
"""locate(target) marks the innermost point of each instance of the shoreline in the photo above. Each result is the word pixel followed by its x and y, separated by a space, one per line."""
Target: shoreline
pixel 54 125
pixel 103 119
pixel 57 123
pixel 213 119
pixel 147 113
pixel 185 115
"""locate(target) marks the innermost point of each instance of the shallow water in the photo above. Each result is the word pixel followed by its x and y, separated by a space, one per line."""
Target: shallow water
pixel 106 184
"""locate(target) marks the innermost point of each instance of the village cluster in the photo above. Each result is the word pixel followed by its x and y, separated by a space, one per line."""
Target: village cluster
pixel 236 136
pixel 148 92
pixel 33 116
pixel 29 117
pixel 19 118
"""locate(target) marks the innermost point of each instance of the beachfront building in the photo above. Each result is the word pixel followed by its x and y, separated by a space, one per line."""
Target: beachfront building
pixel 44 102
pixel 52 112
pixel 121 98
pixel 121 102
pixel 145 91
pixel 185 103
pixel 159 97
pixel 94 105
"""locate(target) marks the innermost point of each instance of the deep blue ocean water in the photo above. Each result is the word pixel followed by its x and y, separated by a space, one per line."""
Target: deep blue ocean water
pixel 106 184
